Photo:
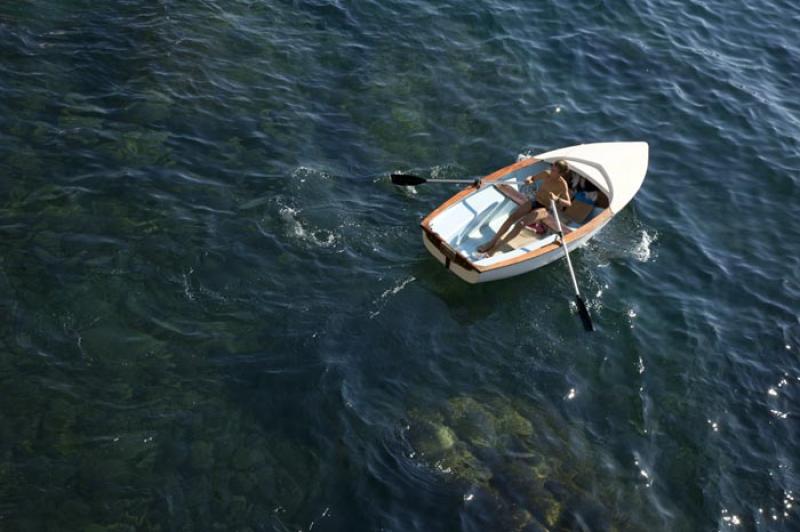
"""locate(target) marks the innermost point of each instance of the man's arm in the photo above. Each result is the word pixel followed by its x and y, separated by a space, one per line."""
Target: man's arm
pixel 563 197
pixel 537 177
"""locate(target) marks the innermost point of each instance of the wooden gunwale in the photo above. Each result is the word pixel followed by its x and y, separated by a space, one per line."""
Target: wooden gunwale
pixel 494 176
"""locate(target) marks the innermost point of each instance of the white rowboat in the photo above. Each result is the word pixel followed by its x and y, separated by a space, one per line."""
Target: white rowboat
pixel 454 230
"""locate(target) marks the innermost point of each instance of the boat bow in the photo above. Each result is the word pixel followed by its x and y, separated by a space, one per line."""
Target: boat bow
pixel 617 168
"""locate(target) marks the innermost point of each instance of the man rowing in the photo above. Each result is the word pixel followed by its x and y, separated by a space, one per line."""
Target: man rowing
pixel 553 187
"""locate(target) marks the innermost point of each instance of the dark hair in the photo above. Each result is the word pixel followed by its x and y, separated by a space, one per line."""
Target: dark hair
pixel 563 167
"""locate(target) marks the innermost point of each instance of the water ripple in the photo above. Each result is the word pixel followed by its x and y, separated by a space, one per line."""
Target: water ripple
pixel 219 309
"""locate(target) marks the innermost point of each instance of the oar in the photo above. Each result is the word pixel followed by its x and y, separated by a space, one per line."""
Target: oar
pixel 582 310
pixel 407 180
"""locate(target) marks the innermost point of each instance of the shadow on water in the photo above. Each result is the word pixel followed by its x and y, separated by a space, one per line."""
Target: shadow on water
pixel 531 293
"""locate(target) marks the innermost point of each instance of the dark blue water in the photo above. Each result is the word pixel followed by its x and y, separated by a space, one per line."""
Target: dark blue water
pixel 217 312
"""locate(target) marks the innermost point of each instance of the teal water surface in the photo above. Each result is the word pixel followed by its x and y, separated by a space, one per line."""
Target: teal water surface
pixel 218 314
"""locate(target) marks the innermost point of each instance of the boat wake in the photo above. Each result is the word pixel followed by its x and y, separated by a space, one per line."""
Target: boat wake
pixel 623 241
pixel 381 301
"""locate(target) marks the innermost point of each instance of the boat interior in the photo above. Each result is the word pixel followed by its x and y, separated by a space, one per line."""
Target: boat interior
pixel 474 220
pixel 587 202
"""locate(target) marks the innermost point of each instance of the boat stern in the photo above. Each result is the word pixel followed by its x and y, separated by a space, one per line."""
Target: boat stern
pixel 449 258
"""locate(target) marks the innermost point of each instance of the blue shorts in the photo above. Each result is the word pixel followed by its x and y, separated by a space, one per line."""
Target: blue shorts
pixel 536 205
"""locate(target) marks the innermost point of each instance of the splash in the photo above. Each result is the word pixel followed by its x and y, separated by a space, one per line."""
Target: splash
pixel 409 191
pixel 643 252
pixel 302 173
pixel 323 239
pixel 631 317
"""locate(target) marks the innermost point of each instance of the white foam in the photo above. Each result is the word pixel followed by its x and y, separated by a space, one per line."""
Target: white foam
pixel 296 229
pixel 397 287
pixel 384 297
pixel 642 252
pixel 302 172
pixel 409 191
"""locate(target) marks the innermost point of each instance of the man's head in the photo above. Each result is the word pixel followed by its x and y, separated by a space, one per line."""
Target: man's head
pixel 559 167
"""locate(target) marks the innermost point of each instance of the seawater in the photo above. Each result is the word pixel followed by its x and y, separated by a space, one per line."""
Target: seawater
pixel 217 313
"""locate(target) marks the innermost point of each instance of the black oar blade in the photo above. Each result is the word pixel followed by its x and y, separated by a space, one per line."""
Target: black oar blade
pixel 583 312
pixel 407 180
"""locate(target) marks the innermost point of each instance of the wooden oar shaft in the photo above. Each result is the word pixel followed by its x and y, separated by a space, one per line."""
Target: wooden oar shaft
pixel 566 249
pixel 583 312
pixel 410 180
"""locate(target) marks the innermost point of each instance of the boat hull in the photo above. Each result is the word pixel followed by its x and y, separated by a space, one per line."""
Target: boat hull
pixel 473 275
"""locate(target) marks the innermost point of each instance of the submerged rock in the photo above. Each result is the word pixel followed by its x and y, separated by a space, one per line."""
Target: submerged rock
pixel 24 163
pixel 472 422
pixel 141 147
pixel 431 440
pixel 517 459
pixel 237 508
pixel 464 466
pixel 428 434
pixel 509 421
pixel 152 107
pixel 246 459
pixel 241 460
pixel 72 120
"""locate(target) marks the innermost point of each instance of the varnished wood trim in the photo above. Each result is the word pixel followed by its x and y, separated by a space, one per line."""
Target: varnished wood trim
pixel 494 176
pixel 444 248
